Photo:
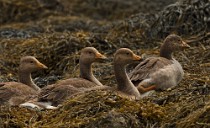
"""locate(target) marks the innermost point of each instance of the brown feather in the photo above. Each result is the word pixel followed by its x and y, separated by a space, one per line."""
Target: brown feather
pixel 57 93
pixel 77 82
pixel 148 66
pixel 15 93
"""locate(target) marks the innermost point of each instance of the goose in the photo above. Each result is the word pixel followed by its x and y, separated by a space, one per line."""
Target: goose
pixel 122 58
pixel 125 88
pixel 163 72
pixel 15 93
pixel 88 56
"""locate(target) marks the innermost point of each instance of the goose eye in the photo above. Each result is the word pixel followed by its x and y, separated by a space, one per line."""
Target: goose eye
pixel 179 40
pixel 89 52
pixel 127 53
pixel 31 62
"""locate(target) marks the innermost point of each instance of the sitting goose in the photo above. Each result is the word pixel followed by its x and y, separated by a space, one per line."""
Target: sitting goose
pixel 88 56
pixel 55 94
pixel 125 87
pixel 160 72
pixel 123 57
pixel 15 93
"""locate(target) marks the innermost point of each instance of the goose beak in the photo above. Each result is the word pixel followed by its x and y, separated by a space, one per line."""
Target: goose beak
pixel 100 56
pixel 185 45
pixel 42 66
pixel 136 57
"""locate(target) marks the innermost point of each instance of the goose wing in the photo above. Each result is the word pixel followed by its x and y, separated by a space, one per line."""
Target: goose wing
pixel 147 67
pixel 16 92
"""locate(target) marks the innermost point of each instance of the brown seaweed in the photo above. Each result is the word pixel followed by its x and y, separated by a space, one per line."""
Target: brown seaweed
pixel 55 32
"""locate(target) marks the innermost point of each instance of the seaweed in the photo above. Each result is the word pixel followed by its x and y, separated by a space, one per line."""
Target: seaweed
pixel 57 35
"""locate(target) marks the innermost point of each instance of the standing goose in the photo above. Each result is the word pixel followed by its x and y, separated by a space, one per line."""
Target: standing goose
pixel 160 72
pixel 14 93
pixel 55 94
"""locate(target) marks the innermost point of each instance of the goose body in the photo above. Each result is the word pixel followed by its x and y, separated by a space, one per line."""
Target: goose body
pixel 59 92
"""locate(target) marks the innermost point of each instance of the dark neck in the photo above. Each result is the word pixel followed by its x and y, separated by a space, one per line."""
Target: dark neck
pixel 25 78
pixel 123 82
pixel 166 52
pixel 86 73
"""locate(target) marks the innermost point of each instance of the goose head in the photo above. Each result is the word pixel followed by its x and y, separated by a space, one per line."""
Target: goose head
pixel 125 56
pixel 90 55
pixel 172 43
pixel 30 64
